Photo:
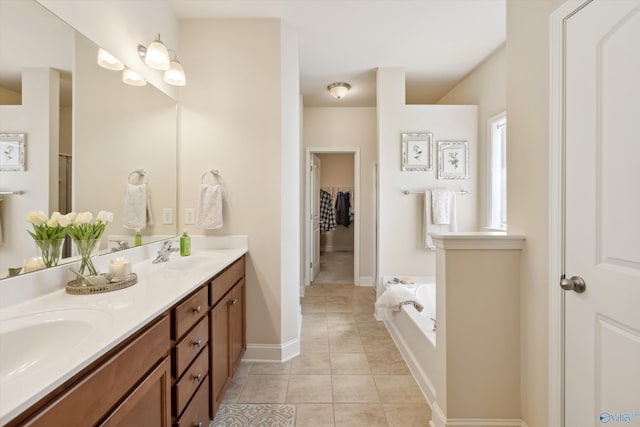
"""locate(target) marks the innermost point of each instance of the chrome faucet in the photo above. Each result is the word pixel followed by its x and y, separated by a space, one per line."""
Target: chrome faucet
pixel 165 252
pixel 415 304
pixel 122 245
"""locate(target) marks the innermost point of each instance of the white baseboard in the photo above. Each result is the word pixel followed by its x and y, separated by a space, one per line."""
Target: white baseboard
pixel 438 419
pixel 272 352
pixel 365 281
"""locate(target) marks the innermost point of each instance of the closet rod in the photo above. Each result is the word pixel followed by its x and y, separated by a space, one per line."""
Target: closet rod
pixel 8 193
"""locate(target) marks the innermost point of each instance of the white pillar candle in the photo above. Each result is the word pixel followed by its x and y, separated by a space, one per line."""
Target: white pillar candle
pixel 33 264
pixel 120 268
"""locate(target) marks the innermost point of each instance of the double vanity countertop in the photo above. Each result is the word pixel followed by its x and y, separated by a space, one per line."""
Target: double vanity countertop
pixel 47 336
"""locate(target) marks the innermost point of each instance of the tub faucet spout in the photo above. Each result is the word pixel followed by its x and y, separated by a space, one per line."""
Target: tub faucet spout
pixel 415 304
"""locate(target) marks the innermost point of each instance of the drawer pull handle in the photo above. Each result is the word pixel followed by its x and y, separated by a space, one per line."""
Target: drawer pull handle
pixel 234 301
pixel 197 309
pixel 196 343
pixel 197 378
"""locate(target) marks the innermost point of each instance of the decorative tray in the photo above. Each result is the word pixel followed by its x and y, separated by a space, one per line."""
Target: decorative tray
pixel 84 289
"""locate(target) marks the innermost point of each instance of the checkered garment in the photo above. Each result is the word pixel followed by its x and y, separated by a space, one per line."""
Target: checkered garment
pixel 327 213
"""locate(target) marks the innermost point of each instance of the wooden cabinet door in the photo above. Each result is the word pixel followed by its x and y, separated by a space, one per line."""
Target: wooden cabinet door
pixel 237 340
pixel 220 368
pixel 149 403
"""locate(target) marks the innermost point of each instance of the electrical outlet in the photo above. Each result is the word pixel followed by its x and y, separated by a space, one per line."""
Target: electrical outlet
pixel 167 216
pixel 189 216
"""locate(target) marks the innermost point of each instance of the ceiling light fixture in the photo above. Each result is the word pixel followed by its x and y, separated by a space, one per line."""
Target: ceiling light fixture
pixel 175 74
pixel 339 89
pixel 156 55
pixel 108 61
pixel 132 78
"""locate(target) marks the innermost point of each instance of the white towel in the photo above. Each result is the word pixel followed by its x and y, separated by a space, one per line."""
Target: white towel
pixel 209 207
pixel 440 206
pixel 428 224
pixel 391 299
pixel 136 213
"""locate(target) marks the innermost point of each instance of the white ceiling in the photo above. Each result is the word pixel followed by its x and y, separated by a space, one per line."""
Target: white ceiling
pixel 437 42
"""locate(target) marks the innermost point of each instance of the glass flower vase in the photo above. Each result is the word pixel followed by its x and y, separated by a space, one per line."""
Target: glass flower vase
pixel 50 251
pixel 87 249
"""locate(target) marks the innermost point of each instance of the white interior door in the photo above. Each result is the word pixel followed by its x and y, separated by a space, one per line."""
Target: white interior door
pixel 602 206
pixel 315 216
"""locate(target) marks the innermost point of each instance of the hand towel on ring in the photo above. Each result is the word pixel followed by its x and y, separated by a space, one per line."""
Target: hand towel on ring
pixel 209 207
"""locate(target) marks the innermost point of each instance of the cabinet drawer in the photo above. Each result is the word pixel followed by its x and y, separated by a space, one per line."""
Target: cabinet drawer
pixel 189 347
pixel 225 281
pixel 195 375
pixel 92 397
pixel 197 413
pixel 189 312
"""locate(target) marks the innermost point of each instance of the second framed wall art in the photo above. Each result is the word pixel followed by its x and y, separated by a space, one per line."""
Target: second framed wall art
pixel 453 160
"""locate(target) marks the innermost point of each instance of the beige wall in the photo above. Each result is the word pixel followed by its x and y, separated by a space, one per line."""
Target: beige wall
pixel 233 111
pixel 528 188
pixel 8 97
pixel 119 129
pixel 336 171
pixel 486 87
pixel 401 245
pixel 356 128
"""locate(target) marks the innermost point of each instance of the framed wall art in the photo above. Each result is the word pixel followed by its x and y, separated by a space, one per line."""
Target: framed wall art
pixel 417 151
pixel 12 152
pixel 453 160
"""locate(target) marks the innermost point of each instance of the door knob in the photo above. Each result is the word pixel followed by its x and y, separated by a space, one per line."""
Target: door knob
pixel 575 283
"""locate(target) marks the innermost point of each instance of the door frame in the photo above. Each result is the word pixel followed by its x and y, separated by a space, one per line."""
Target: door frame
pixel 356 208
pixel 557 161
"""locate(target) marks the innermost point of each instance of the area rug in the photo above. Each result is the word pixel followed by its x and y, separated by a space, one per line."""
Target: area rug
pixel 251 415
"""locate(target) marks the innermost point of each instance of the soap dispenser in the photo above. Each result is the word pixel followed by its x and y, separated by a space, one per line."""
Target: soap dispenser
pixel 138 239
pixel 185 244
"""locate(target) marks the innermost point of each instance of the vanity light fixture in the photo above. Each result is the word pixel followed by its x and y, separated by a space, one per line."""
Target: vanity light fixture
pixel 132 78
pixel 339 89
pixel 156 55
pixel 108 61
pixel 175 74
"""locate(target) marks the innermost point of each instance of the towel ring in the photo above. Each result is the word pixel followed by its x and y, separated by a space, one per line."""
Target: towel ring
pixel 213 172
pixel 140 172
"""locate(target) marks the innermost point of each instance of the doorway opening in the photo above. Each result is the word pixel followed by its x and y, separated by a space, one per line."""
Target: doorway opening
pixel 333 202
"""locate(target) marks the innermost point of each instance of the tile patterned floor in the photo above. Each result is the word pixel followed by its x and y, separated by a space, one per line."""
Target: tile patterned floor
pixel 349 372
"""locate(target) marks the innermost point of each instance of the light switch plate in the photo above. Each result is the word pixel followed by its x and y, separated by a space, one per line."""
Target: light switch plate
pixel 167 216
pixel 189 216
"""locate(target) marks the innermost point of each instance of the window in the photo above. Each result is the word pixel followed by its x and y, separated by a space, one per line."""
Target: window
pixel 497 215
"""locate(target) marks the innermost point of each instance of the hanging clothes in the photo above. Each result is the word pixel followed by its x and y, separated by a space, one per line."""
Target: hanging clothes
pixel 343 209
pixel 327 215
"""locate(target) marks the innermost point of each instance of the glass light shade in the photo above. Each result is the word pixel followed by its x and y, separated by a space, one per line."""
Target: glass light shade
pixel 175 74
pixel 157 55
pixel 132 78
pixel 339 90
pixel 108 61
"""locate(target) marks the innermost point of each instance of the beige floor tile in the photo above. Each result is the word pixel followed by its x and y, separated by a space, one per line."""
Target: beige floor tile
pixel 407 414
pixel 314 329
pixel 363 308
pixel 309 389
pixel 242 371
pixel 307 299
pixel 335 319
pixel 339 299
pixel 271 368
pixel 345 344
pixel 314 415
pixel 338 308
pixel 312 307
pixel 372 329
pixel 398 389
pixel 365 317
pixel 314 318
pixel 378 343
pixel 314 344
pixel 343 330
pixel 354 389
pixel 233 392
pixel 387 363
pixel 311 363
pixel 356 415
pixel 349 364
pixel 264 389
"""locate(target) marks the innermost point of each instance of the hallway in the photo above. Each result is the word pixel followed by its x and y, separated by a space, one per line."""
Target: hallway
pixel 349 372
pixel 335 267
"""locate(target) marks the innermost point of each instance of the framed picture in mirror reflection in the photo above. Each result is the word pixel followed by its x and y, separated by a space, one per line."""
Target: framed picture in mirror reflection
pixel 12 152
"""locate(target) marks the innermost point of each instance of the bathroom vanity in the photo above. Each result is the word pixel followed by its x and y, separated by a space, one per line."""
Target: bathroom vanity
pixel 172 368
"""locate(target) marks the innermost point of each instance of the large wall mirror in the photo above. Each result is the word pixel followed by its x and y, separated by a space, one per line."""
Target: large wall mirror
pixel 86 133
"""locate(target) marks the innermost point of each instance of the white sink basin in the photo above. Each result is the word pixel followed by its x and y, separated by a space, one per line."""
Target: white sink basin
pixel 28 341
pixel 192 261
